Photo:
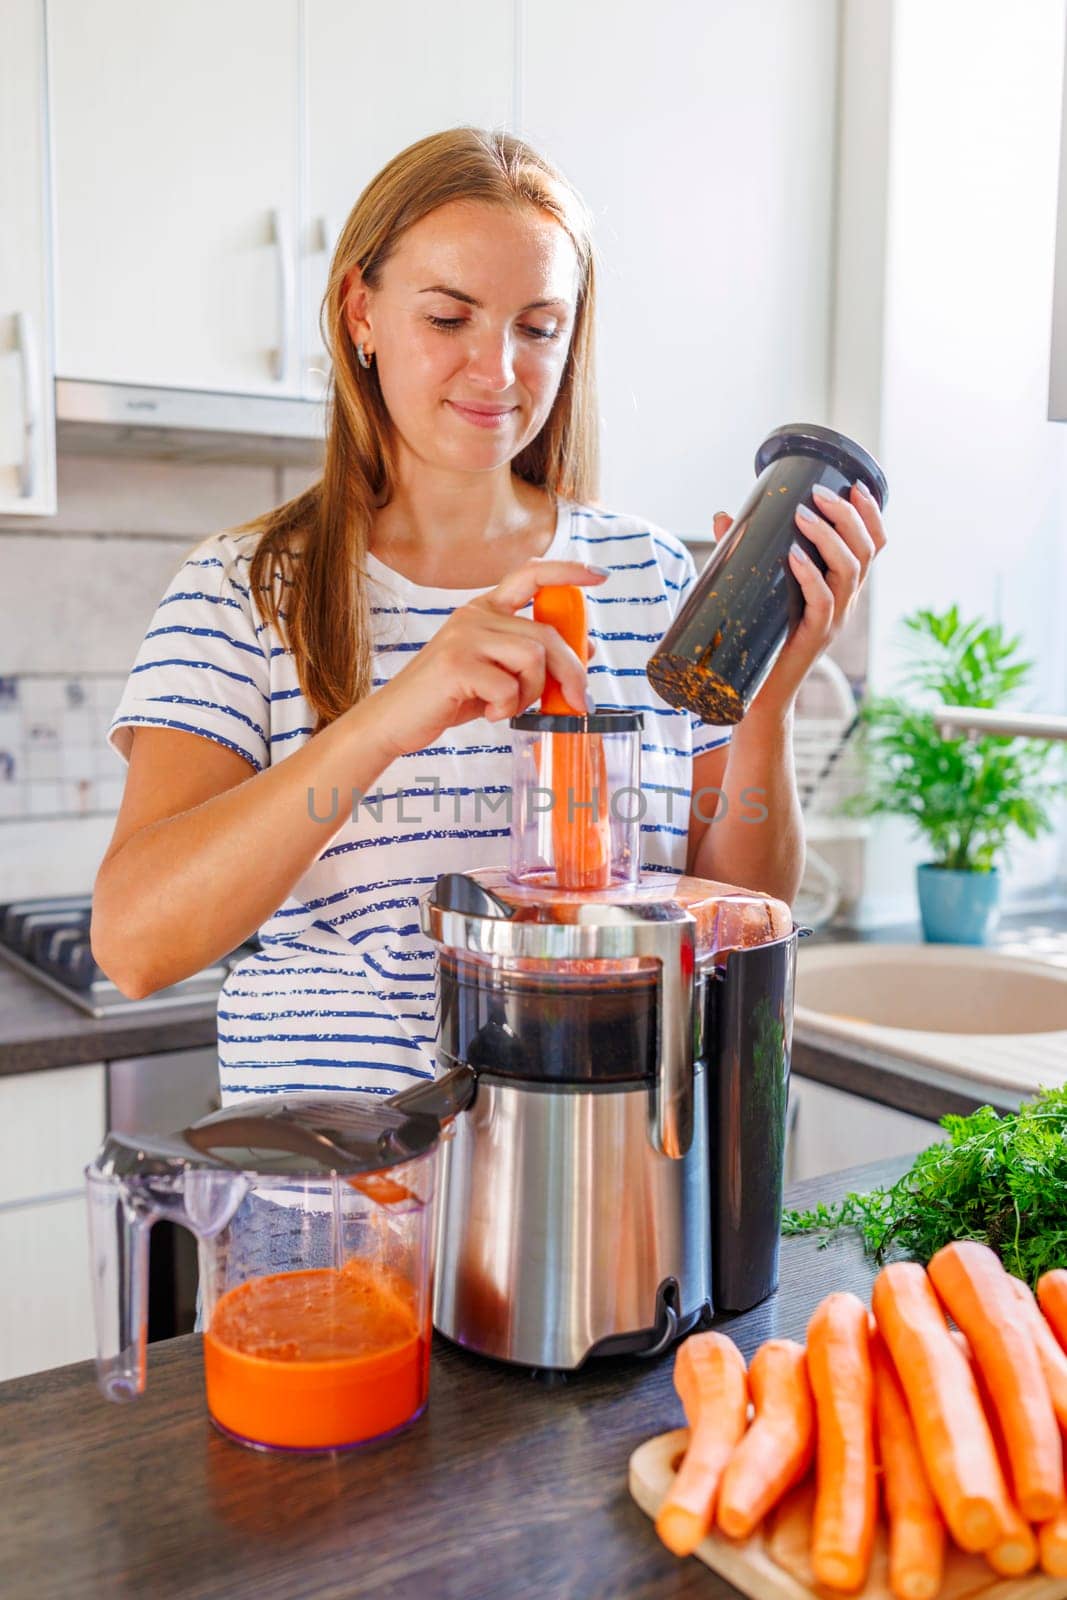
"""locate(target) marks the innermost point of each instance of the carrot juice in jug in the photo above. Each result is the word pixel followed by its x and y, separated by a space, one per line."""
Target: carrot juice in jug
pixel 316 1359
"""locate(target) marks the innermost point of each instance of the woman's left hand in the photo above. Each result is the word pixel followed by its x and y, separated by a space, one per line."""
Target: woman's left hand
pixel 848 535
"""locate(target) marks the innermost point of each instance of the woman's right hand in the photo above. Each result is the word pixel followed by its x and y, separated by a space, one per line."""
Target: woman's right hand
pixel 484 661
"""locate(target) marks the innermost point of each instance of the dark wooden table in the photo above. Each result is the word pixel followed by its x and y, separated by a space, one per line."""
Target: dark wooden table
pixel 504 1489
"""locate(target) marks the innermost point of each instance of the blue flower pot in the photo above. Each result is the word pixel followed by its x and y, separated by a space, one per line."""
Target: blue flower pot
pixel 958 907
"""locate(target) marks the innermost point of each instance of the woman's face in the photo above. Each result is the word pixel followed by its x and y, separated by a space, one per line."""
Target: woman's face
pixel 490 345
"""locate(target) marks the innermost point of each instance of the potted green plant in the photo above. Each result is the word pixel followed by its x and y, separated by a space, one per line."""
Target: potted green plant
pixel 966 795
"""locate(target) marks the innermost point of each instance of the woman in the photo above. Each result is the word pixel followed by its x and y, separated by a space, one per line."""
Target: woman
pixel 315 724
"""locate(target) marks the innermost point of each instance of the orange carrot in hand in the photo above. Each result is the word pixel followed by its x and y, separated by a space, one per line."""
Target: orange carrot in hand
pixel 710 1377
pixel 971 1283
pixel 777 1449
pixel 573 765
pixel 562 606
pixel 1050 1352
pixel 846 1499
pixel 954 1437
pixel 916 1528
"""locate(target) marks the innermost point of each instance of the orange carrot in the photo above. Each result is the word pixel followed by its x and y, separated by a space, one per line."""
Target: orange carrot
pixel 955 1441
pixel 709 1375
pixel 1052 1544
pixel 562 606
pixel 1052 1298
pixel 972 1284
pixel 1014 1551
pixel 1050 1352
pixel 846 1499
pixel 776 1451
pixel 575 762
pixel 916 1529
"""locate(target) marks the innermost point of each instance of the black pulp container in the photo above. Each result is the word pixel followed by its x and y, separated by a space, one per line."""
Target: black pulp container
pixel 748 1050
pixel 726 638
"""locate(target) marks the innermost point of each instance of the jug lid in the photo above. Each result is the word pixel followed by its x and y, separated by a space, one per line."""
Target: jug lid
pixel 314 1134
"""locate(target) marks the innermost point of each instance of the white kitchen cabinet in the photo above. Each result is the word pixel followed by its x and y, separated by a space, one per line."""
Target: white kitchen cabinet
pixel 27 434
pixel 377 80
pixel 48 1311
pixel 51 1125
pixel 176 172
pixel 831 1129
pixel 712 197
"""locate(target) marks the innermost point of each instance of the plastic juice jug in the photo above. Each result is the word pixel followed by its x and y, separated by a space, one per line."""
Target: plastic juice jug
pixel 313 1215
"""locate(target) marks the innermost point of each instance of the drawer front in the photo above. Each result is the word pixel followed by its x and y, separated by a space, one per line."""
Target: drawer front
pixel 51 1126
pixel 48 1318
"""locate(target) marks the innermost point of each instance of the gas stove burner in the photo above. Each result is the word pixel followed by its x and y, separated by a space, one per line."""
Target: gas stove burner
pixel 48 939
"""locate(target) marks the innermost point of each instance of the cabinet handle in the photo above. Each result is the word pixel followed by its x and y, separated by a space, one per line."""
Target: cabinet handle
pixel 283 256
pixel 30 385
pixel 329 233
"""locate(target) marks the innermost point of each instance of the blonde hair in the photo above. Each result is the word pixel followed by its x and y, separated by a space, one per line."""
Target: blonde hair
pixel 326 615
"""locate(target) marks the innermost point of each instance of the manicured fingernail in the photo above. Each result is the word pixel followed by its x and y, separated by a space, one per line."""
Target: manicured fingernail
pixel 863 489
pixel 807 513
pixel 798 552
pixel 823 493
pixel 601 572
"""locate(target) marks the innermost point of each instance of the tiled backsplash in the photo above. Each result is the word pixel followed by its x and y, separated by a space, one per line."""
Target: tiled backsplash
pixel 54 757
pixel 77 592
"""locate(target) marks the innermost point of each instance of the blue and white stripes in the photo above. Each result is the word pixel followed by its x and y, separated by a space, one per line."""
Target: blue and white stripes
pixel 342 994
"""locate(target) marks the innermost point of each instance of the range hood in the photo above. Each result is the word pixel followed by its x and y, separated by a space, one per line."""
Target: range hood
pixel 187 425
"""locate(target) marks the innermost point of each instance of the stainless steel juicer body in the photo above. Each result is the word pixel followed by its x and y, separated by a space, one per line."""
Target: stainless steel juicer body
pixel 591 1207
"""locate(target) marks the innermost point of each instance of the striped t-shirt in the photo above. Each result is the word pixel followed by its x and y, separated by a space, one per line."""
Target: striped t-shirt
pixel 342 993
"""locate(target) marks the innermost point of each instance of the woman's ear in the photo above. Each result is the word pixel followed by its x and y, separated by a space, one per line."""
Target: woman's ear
pixel 354 301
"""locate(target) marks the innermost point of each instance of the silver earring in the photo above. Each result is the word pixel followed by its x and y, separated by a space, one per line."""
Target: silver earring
pixel 364 359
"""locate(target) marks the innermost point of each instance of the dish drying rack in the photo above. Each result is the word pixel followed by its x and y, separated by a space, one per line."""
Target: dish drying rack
pixel 828 771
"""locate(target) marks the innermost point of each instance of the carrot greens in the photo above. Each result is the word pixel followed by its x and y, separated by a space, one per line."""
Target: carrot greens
pixel 999 1178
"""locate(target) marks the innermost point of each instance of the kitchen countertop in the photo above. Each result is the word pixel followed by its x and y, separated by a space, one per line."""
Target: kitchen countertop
pixel 505 1489
pixel 39 1029
pixel 875 1074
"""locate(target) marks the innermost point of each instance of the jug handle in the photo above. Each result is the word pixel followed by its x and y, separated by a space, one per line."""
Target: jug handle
pixel 444 1097
pixel 118 1237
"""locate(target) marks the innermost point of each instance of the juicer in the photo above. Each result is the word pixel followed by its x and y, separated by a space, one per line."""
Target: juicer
pixel 616 1176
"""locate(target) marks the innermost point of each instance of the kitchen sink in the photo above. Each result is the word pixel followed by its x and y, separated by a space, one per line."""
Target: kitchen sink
pixel 964 1010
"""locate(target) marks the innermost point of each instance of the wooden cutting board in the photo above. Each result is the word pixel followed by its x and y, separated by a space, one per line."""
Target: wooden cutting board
pixel 774 1563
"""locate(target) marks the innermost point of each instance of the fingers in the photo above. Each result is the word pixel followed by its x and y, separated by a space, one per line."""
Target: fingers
pixel 842 540
pixel 518 588
pixel 867 506
pixel 819 602
pixel 721 523
pixel 500 691
pixel 846 521
pixel 530 651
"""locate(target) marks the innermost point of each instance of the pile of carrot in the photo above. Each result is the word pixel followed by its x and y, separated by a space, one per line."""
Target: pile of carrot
pixel 956 1435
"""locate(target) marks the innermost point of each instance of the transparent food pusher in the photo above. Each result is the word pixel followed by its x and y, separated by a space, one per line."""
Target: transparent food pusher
pixel 617 1175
